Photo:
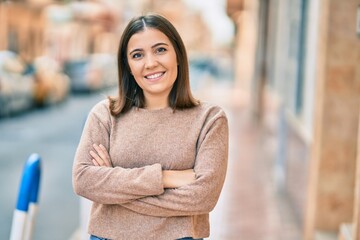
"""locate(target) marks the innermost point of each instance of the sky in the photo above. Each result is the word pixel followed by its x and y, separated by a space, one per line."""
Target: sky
pixel 214 14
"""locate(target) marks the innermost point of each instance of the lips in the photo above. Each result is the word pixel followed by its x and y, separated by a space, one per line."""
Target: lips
pixel 154 76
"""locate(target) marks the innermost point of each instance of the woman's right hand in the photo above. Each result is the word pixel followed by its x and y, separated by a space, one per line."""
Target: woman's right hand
pixel 178 178
pixel 100 156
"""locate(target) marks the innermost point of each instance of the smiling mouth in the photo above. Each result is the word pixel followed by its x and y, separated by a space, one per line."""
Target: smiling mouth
pixel 154 76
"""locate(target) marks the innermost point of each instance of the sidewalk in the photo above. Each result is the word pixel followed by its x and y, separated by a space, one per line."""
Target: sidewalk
pixel 252 206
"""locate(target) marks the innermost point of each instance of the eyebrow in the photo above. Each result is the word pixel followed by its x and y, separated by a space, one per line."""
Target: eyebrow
pixel 154 46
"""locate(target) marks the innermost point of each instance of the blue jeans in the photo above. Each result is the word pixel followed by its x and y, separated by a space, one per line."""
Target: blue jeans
pixel 92 237
pixel 190 238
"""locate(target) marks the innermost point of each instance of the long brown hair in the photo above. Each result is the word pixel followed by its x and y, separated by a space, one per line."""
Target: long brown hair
pixel 130 94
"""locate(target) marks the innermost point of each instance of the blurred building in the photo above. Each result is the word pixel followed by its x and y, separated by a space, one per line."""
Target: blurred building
pixel 62 30
pixel 305 58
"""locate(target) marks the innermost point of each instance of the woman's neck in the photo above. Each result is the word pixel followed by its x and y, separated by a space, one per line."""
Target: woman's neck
pixel 154 102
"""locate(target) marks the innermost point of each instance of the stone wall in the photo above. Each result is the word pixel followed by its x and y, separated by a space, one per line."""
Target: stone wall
pixel 334 148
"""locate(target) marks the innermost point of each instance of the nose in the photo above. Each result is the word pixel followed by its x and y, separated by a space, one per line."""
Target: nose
pixel 150 61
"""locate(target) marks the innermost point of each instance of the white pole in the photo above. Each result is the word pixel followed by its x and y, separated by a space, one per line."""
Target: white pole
pixel 30 221
pixel 18 225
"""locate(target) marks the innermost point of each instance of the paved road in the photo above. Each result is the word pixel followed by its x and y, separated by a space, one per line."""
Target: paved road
pixel 53 133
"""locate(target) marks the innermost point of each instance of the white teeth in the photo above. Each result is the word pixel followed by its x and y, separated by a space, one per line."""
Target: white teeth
pixel 154 76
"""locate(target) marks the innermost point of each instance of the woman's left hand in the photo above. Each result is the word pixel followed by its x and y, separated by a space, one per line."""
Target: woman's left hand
pixel 100 156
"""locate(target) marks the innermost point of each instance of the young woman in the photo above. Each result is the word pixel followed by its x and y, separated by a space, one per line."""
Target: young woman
pixel 152 159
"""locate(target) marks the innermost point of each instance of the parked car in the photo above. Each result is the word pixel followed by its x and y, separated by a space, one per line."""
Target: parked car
pixel 16 86
pixel 96 72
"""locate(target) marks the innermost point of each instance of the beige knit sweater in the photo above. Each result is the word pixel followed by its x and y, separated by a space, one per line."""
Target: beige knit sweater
pixel 130 202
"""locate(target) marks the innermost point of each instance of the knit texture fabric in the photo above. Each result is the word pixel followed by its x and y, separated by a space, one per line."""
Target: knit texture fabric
pixel 129 201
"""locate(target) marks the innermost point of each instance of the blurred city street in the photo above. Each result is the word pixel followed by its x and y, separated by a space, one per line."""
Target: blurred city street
pixel 286 73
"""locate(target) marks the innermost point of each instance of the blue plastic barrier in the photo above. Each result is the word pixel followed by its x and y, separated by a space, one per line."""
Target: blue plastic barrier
pixel 26 207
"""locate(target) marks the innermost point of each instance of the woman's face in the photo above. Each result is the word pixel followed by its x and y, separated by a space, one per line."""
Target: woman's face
pixel 152 61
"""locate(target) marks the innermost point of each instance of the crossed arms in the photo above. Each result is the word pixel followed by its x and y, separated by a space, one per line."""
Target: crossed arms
pixel 150 190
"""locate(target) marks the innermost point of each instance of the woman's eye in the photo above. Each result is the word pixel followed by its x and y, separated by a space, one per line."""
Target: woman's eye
pixel 161 50
pixel 137 55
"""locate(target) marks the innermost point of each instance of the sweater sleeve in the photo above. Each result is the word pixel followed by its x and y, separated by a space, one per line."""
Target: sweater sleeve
pixel 109 185
pixel 201 196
